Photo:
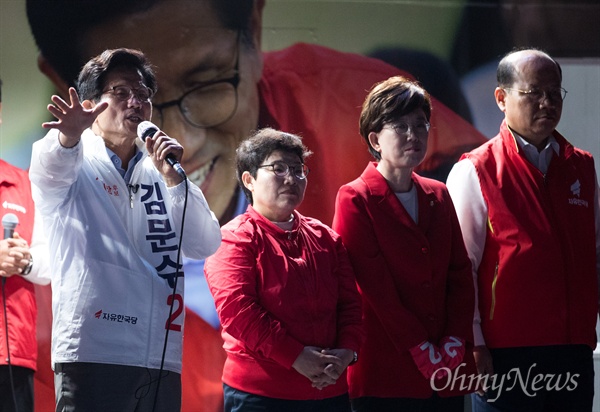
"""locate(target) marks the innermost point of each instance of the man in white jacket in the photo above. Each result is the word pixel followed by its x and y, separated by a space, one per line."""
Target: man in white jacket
pixel 114 210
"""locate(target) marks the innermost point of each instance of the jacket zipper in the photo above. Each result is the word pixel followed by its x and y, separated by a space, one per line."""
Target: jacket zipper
pixel 493 305
pixel 132 189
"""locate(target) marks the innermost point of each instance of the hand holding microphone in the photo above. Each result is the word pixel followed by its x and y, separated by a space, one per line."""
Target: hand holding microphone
pixel 146 129
pixel 15 257
pixel 9 223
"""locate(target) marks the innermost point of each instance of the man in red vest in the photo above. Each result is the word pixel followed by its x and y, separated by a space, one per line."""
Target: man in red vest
pixel 527 201
pixel 18 273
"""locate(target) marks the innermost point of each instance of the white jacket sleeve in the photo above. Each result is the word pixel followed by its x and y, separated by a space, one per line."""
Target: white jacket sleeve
pixel 40 271
pixel 53 171
pixel 465 191
pixel 202 234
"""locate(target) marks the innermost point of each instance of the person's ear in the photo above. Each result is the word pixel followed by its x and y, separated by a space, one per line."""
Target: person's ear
pixel 500 95
pixel 374 140
pixel 62 87
pixel 88 104
pixel 248 181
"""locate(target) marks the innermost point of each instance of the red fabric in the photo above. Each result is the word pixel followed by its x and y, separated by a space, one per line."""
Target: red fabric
pixel 415 281
pixel 537 278
pixel 21 308
pixel 203 359
pixel 316 92
pixel 276 292
pixel 452 350
pixel 428 359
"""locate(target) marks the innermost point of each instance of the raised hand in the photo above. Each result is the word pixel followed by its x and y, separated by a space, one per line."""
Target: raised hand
pixel 72 118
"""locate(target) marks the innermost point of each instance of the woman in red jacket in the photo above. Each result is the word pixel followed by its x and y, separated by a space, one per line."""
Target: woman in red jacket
pixel 284 290
pixel 411 266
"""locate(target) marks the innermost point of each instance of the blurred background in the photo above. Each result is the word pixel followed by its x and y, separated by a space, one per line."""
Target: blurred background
pixel 451 46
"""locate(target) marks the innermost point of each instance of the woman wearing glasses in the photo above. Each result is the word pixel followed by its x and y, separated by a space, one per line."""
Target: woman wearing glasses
pixel 411 266
pixel 284 290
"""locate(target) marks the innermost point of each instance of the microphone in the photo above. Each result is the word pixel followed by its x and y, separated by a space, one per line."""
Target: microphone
pixel 146 129
pixel 9 223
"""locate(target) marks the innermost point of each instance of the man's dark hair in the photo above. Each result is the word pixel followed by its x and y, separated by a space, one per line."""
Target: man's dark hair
pixel 58 26
pixel 389 100
pixel 506 72
pixel 253 151
pixel 90 84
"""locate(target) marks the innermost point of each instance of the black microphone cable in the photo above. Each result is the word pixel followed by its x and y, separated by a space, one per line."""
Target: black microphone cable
pixel 162 360
pixel 144 130
pixel 169 320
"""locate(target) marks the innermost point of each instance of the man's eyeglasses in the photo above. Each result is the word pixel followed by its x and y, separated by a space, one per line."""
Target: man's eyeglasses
pixel 124 93
pixel 556 95
pixel 282 169
pixel 403 129
pixel 209 104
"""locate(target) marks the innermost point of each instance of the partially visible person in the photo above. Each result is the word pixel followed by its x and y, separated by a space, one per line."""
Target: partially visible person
pixel 114 209
pixel 216 86
pixel 410 262
pixel 284 290
pixel 528 206
pixel 18 308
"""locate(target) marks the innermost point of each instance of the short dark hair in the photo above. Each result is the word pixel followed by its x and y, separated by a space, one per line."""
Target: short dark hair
pixel 90 83
pixel 506 72
pixel 252 152
pixel 387 101
pixel 59 25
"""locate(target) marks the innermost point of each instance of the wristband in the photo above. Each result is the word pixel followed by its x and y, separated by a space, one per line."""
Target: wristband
pixel 27 269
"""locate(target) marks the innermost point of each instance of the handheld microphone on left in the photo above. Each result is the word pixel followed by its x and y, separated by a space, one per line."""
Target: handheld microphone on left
pixel 9 223
pixel 146 129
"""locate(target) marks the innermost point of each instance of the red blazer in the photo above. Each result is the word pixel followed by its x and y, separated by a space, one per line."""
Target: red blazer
pixel 415 281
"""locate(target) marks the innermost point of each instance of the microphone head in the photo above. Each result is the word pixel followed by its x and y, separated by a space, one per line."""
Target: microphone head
pixel 10 221
pixel 146 129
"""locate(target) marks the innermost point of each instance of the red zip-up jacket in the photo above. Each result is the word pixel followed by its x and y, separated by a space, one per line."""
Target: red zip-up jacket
pixel 276 292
